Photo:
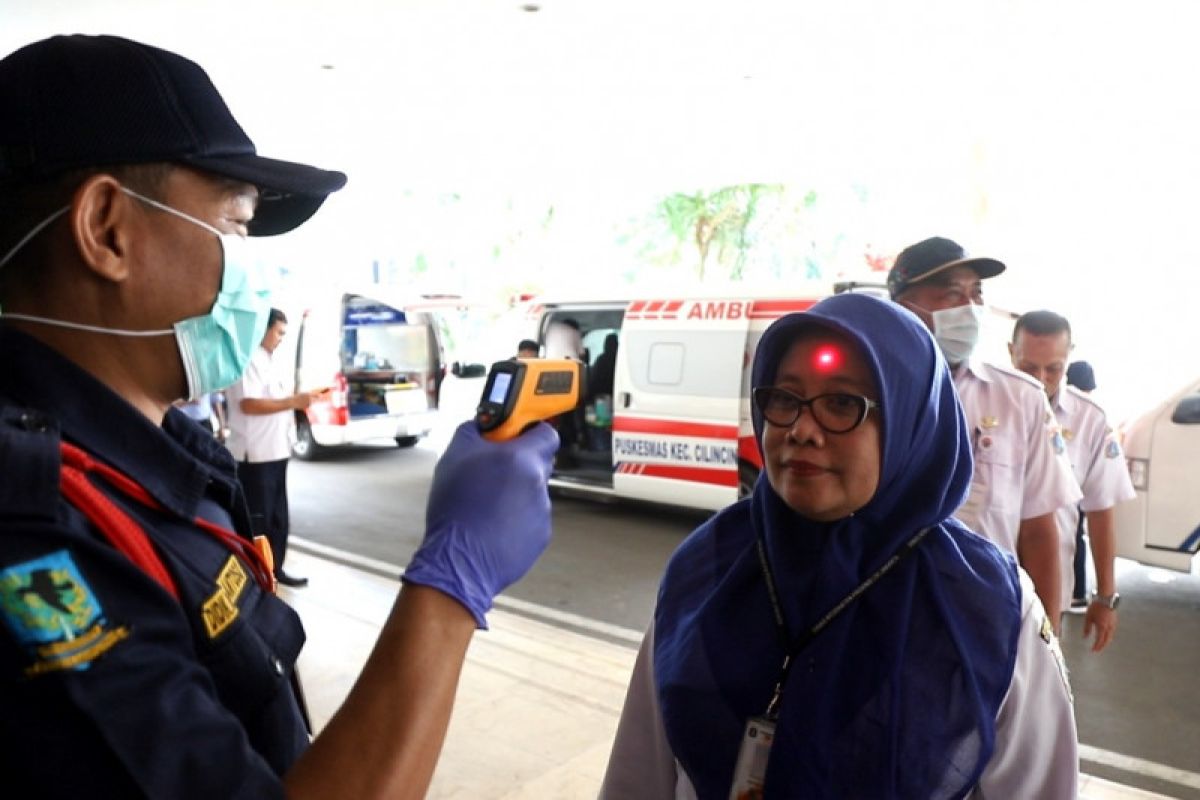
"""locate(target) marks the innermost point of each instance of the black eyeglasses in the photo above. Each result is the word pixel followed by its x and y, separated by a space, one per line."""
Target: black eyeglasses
pixel 835 412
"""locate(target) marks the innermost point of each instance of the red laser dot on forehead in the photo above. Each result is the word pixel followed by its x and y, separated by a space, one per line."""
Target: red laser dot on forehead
pixel 827 358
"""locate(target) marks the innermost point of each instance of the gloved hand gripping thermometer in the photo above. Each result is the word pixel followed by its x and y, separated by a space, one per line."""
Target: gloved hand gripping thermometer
pixel 521 392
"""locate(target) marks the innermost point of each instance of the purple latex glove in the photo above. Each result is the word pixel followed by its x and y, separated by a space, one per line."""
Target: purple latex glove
pixel 488 516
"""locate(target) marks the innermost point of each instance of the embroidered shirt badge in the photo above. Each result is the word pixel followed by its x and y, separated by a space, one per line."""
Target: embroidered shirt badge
pixel 54 615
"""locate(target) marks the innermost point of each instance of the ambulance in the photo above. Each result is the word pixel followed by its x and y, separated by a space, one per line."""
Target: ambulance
pixel 1160 526
pixel 676 426
pixel 380 356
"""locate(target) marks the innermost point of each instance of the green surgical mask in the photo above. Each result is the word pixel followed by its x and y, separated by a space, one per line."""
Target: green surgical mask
pixel 216 347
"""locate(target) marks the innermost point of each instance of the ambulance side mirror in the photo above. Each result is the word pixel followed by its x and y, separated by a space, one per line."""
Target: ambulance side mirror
pixel 1188 411
pixel 468 370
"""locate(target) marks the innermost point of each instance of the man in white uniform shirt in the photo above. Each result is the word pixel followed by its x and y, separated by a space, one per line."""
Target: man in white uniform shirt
pixel 261 431
pixel 1022 475
pixel 564 340
pixel 1040 347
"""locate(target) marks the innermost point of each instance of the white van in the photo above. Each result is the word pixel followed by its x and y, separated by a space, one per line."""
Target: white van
pixel 676 428
pixel 380 357
pixel 1161 525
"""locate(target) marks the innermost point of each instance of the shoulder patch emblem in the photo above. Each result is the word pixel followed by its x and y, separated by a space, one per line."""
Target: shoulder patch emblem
pixel 221 609
pixel 1047 634
pixel 1112 449
pixel 54 615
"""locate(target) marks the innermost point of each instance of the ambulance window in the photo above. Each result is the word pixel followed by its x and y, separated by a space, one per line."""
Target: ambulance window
pixel 666 364
pixel 685 363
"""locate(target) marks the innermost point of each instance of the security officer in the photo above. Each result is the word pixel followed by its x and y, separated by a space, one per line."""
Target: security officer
pixel 1021 473
pixel 1040 347
pixel 142 652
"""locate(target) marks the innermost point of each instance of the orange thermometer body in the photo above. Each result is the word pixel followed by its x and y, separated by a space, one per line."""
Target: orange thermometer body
pixel 521 392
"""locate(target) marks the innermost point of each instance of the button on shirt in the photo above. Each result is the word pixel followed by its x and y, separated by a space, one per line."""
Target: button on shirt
pixel 1021 466
pixel 260 437
pixel 1098 465
pixel 109 686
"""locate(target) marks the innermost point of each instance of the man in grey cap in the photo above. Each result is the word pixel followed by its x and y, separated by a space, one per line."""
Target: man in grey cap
pixel 142 650
pixel 1022 475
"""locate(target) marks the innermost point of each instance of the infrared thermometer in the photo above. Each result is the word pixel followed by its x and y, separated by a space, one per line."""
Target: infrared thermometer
pixel 521 392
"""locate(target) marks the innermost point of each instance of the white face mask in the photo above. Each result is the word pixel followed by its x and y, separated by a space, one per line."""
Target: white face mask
pixel 957 331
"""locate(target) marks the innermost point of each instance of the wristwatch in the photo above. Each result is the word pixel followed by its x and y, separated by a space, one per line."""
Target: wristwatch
pixel 1111 600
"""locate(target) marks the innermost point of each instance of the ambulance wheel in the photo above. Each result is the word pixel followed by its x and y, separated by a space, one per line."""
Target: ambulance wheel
pixel 305 447
pixel 747 476
pixel 407 441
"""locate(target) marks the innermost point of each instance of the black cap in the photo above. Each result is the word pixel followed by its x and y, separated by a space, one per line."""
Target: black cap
pixel 1081 375
pixel 927 258
pixel 71 102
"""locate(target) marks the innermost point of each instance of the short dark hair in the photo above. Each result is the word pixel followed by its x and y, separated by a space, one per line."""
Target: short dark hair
pixel 527 344
pixel 276 316
pixel 1042 323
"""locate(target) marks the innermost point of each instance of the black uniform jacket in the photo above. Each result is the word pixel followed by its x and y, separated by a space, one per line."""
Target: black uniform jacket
pixel 109 686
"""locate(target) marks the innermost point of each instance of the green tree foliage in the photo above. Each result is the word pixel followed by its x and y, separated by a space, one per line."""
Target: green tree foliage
pixel 721 218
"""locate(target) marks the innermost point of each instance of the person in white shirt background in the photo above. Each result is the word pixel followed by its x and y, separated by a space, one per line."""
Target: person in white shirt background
pixel 208 410
pixel 261 432
pixel 1022 476
pixel 564 340
pixel 1040 347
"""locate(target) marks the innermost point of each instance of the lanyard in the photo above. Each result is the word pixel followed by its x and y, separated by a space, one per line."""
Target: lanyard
pixel 794 649
pixel 127 536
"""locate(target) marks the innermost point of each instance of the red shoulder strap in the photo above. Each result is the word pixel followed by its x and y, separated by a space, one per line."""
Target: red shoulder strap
pixel 125 534
pixel 117 526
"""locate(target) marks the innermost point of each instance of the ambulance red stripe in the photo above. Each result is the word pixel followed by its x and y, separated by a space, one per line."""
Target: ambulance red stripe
pixel 717 477
pixel 668 427
pixel 769 309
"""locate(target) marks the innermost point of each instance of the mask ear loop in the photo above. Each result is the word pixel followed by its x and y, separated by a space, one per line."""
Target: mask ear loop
pixel 169 210
pixel 79 326
pixel 41 226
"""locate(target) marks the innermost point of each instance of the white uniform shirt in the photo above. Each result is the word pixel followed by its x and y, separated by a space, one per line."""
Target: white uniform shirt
pixel 259 437
pixel 1021 466
pixel 563 341
pixel 1037 745
pixel 200 409
pixel 1099 467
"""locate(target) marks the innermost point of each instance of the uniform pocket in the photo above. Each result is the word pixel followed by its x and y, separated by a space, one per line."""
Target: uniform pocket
pixel 996 482
pixel 251 661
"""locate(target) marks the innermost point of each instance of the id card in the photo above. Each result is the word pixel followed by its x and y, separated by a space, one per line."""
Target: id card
pixel 751 771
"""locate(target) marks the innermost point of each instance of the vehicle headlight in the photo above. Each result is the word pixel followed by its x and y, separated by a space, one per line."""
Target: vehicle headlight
pixel 1139 472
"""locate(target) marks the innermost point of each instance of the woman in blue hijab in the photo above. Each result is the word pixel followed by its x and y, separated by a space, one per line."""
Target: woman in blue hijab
pixel 838 634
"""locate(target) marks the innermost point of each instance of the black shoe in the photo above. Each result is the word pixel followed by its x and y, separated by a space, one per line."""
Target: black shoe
pixel 290 580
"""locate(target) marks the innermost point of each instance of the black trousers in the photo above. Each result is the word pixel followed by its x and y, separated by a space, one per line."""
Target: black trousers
pixel 265 484
pixel 1080 564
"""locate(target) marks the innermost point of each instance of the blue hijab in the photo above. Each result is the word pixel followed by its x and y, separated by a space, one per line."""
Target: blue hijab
pixel 898 697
